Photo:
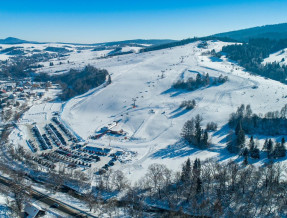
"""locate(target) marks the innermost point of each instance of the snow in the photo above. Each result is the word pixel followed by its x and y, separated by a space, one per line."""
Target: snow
pixel 139 76
pixel 131 48
pixel 277 57
pixel 148 77
pixel 4 57
pixel 40 111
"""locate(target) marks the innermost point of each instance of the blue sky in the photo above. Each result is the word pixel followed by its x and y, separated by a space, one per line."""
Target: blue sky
pixel 90 21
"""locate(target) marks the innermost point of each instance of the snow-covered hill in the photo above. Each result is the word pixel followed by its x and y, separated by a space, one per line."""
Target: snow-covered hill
pixel 153 127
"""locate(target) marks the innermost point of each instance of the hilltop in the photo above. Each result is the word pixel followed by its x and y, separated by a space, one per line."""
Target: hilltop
pixel 274 31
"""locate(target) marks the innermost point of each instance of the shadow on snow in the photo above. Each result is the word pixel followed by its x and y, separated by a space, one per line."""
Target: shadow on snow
pixel 178 112
pixel 179 149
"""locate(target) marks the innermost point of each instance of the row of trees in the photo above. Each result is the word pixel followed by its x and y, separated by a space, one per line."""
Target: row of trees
pixel 200 81
pixel 272 123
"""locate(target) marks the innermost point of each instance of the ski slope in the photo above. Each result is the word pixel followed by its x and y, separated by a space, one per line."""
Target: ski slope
pixel 148 78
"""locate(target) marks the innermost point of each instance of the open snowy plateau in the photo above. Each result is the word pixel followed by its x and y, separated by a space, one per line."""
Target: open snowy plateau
pixel 153 127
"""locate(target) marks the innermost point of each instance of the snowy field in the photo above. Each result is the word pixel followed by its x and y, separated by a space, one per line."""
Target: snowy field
pixel 279 57
pixel 153 127
pixel 77 54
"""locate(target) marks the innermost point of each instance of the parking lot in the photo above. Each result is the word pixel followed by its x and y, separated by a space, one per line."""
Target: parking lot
pixel 53 144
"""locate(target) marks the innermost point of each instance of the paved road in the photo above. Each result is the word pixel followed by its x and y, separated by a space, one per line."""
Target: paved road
pixel 68 209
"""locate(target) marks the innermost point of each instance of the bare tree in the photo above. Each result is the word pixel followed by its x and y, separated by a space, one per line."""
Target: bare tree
pixel 90 200
pixel 119 180
pixel 157 177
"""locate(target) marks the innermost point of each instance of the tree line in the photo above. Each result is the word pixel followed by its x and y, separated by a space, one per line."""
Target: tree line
pixel 245 121
pixel 77 82
pixel 184 42
pixel 212 189
pixel 251 54
pixel 272 123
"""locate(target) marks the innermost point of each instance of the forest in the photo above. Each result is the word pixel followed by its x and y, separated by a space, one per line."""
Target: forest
pixel 77 82
pixel 250 56
pixel 244 121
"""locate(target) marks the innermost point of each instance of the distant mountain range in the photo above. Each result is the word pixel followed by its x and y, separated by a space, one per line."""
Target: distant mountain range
pixel 12 40
pixel 138 41
pixel 276 31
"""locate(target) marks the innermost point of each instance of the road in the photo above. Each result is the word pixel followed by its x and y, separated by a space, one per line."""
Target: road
pixel 68 209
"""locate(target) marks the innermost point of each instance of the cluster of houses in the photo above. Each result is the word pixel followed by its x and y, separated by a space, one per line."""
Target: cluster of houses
pixel 11 93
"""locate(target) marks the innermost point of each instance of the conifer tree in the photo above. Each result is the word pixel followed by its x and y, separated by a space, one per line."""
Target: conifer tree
pixel 245 155
pixel 255 153
pixel 265 145
pixel 198 120
pixel 251 144
pixel 198 185
pixel 188 130
pixel 198 79
pixel 240 139
pixel 186 171
pixel 205 138
pixel 196 170
pixel 238 127
pixel 245 161
pixel 283 141
pixel 269 148
pixel 279 150
pixel 253 149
